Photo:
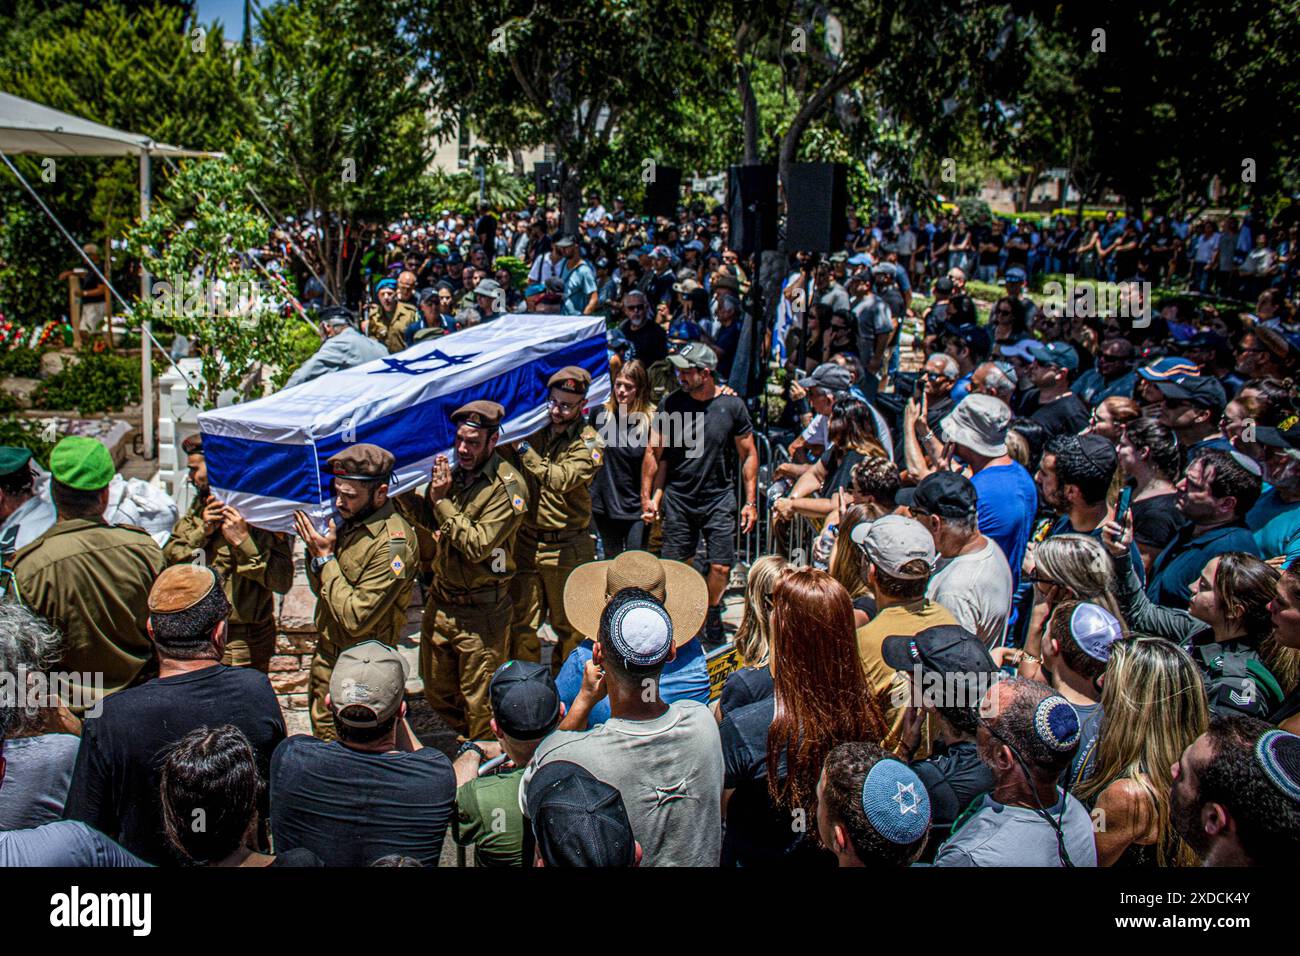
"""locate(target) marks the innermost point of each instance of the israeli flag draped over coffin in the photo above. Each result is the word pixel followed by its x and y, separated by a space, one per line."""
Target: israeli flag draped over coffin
pixel 266 457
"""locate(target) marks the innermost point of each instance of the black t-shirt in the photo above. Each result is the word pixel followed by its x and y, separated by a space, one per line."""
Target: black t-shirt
pixel 115 780
pixel 953 777
pixel 759 833
pixel 1018 255
pixel 1156 520
pixel 1065 416
pixel 350 808
pixel 650 341
pixel 837 476
pixel 867 605
pixel 299 857
pixel 746 686
pixel 616 492
pixel 987 258
pixel 701 461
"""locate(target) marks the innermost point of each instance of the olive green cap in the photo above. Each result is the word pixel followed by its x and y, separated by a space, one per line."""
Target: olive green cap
pixel 82 463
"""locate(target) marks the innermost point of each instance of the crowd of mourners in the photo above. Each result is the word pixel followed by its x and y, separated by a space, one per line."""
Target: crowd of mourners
pixel 1033 604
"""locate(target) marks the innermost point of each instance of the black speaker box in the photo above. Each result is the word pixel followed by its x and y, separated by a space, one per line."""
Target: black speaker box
pixel 815 207
pixel 751 206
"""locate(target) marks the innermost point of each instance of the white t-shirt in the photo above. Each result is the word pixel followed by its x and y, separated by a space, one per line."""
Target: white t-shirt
pixel 668 771
pixel 976 589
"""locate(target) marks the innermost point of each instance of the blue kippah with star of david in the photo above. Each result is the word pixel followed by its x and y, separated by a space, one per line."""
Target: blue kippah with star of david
pixel 896 802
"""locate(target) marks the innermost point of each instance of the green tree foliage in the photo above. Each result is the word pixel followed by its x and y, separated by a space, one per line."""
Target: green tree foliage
pixel 134 66
pixel 205 214
pixel 343 114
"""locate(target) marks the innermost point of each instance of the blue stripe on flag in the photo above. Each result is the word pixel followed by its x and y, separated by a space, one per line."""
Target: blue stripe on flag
pixel 411 434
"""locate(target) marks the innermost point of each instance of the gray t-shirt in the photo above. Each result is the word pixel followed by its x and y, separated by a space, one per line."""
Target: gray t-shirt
pixel 976 589
pixel 62 843
pixel 1001 835
pixel 38 772
pixel 668 771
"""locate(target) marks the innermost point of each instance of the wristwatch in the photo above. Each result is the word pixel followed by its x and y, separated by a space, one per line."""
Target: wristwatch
pixel 318 563
pixel 470 745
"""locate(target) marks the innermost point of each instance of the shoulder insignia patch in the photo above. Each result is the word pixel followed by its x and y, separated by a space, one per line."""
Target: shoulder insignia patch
pixel 397 565
pixel 595 456
pixel 518 502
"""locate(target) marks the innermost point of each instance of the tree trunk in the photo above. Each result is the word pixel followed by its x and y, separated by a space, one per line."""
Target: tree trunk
pixel 570 199
pixel 749 107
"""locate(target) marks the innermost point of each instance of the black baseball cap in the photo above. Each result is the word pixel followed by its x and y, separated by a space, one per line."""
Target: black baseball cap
pixel 947 494
pixel 577 819
pixel 943 649
pixel 1285 435
pixel 1199 389
pixel 525 702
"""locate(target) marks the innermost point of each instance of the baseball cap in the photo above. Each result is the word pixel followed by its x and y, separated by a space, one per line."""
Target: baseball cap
pixel 525 702
pixel 948 494
pixel 661 252
pixel 894 541
pixel 577 819
pixel 828 376
pixel 1095 629
pixel 1061 354
pixel 980 423
pixel 1285 435
pixel 694 355
pixel 370 675
pixel 944 648
pixel 1014 274
pixel 1168 367
pixel 1021 350
pixel 976 337
pixel 1198 389
pixel 564 242
pixel 685 330
pixel 943 285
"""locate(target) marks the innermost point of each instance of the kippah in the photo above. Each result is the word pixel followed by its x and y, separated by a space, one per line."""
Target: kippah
pixel 1249 464
pixel 1278 755
pixel 896 802
pixel 1056 723
pixel 641 632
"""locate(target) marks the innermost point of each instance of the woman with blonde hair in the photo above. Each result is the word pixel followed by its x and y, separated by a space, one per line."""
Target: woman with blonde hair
pixel 753 681
pixel 1074 566
pixel 1154 705
pixel 846 564
pixel 624 423
pixel 1067 567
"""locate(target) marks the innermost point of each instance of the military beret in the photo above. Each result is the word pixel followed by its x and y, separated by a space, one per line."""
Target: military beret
pixel 480 414
pixel 11 459
pixel 193 445
pixel 82 463
pixel 185 603
pixel 571 378
pixel 363 462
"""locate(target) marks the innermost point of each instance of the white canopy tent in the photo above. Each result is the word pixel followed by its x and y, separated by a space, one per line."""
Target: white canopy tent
pixel 28 128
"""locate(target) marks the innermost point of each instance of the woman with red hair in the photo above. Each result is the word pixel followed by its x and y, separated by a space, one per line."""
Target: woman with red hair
pixel 773 749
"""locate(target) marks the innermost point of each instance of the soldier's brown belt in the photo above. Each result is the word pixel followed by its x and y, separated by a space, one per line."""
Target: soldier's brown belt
pixel 556 537
pixel 483 596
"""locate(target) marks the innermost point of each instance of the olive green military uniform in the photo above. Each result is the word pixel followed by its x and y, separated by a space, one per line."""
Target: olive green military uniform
pixel 554 538
pixel 379 323
pixel 91 580
pixel 252 572
pixel 362 595
pixel 402 320
pixel 465 631
pixel 663 379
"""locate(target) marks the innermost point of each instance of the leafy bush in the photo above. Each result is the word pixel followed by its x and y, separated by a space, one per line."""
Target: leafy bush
pixel 20 363
pixel 26 433
pixel 303 343
pixel 96 382
pixel 517 268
